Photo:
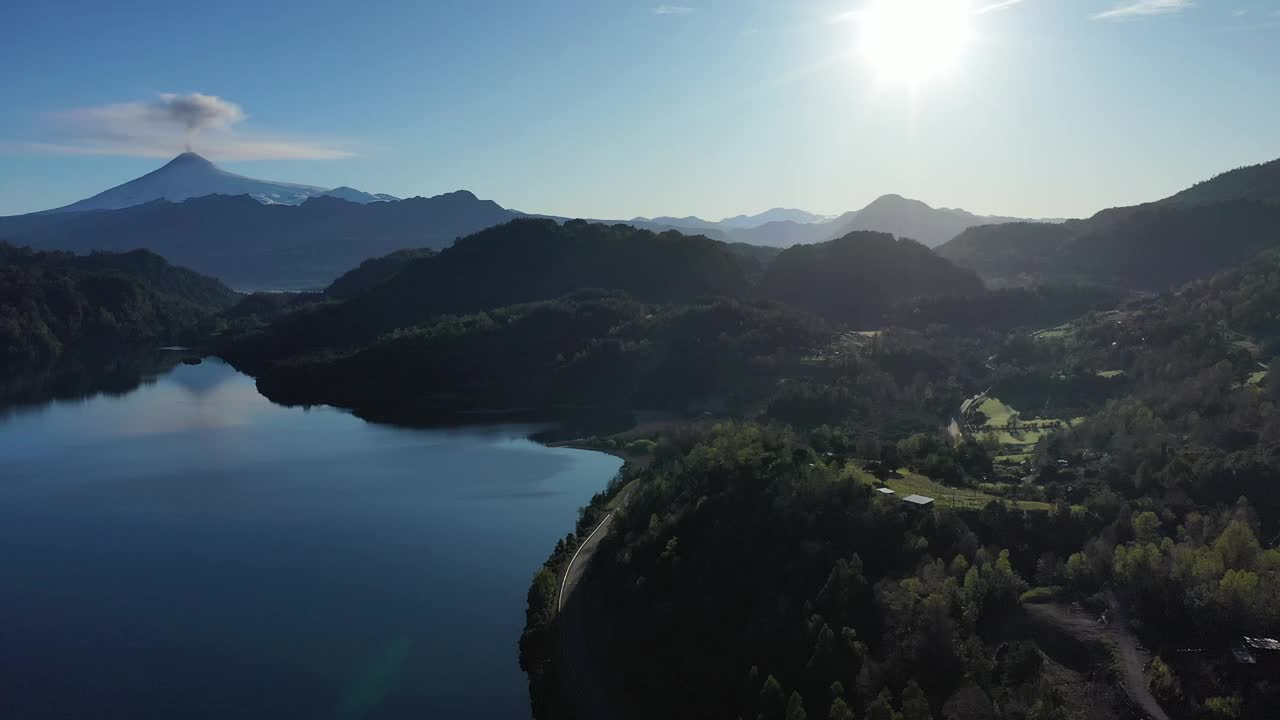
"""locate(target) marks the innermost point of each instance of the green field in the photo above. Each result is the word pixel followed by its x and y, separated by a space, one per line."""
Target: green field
pixel 913 484
pixel 997 413
pixel 1109 374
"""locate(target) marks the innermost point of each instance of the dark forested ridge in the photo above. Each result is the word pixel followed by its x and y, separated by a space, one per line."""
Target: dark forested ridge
pixel 855 279
pixel 1213 226
pixel 510 268
pixel 527 260
pixel 520 262
pixel 592 348
pixel 373 272
pixel 52 302
pixel 1259 183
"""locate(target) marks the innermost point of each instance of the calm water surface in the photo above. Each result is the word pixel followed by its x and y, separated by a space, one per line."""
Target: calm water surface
pixel 190 550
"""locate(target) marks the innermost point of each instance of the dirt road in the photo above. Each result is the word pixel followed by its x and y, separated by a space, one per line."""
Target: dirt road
pixel 1131 658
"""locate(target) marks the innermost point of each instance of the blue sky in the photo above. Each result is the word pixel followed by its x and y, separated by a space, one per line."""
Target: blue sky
pixel 612 108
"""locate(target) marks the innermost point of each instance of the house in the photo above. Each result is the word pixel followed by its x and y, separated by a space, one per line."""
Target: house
pixel 1265 650
pixel 885 491
pixel 918 501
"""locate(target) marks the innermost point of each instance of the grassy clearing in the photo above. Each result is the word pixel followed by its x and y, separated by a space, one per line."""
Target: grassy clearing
pixel 1041 594
pixel 1026 435
pixel 1256 378
pixel 1109 374
pixel 913 484
pixel 997 413
pixel 1015 458
pixel 1022 438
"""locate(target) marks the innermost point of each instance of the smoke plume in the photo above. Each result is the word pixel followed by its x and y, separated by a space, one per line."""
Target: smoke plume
pixel 162 127
pixel 196 112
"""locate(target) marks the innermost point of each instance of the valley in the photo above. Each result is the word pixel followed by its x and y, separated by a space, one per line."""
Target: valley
pixel 897 463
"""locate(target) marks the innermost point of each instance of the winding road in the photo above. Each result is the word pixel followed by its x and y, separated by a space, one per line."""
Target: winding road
pixel 579 672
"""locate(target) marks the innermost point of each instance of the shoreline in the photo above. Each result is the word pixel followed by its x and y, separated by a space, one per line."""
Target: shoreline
pixel 634 461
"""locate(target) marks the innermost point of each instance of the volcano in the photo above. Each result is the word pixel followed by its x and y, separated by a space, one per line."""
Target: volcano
pixel 189 176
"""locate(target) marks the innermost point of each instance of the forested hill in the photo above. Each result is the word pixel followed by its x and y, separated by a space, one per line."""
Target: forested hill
pixel 522 261
pixel 852 281
pixel 373 272
pixel 1256 182
pixel 1149 248
pixel 527 260
pixel 51 302
pixel 1210 227
pixel 754 570
pixel 1021 254
pixel 599 349
pixel 855 279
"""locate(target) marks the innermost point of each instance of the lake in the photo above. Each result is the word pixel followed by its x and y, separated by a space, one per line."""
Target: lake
pixel 188 550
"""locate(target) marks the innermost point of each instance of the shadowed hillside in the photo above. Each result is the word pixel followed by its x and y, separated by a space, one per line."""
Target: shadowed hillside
pixel 856 279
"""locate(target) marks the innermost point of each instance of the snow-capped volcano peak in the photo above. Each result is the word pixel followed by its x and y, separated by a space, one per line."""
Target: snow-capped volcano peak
pixel 191 159
pixel 190 175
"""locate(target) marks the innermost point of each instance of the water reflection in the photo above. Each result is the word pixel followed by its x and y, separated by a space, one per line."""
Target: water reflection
pixel 86 375
pixel 188 549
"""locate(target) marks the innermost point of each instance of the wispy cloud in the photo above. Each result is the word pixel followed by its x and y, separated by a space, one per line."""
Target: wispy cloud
pixel 1132 8
pixel 672 10
pixel 994 6
pixel 983 9
pixel 162 127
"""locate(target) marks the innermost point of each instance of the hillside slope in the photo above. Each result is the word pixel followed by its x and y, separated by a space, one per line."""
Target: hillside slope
pixel 53 302
pixel 250 245
pixel 857 278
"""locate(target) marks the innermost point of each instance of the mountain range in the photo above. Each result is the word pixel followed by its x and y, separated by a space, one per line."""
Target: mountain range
pixel 255 234
pixel 252 246
pixel 261 234
pixel 783 227
pixel 190 175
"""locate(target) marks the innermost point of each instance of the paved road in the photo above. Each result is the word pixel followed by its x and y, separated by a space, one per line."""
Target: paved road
pixel 578 671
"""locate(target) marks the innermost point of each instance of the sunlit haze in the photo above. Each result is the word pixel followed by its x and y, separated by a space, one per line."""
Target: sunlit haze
pixel 1033 108
pixel 912 42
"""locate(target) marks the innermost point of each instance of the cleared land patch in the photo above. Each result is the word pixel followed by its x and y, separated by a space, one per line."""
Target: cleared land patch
pixel 945 496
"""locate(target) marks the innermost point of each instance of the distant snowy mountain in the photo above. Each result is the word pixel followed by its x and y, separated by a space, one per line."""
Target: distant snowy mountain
pixel 190 176
pixel 691 222
pixel 738 222
pixel 257 246
pixel 351 194
pixel 802 217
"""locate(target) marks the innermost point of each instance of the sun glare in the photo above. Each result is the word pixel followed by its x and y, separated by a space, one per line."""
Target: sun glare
pixel 911 42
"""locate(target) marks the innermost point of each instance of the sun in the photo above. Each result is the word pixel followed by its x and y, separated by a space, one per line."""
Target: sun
pixel 912 42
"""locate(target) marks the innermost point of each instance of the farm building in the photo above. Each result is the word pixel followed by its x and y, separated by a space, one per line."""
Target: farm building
pixel 1266 650
pixel 918 501
pixel 885 491
pixel 1253 651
